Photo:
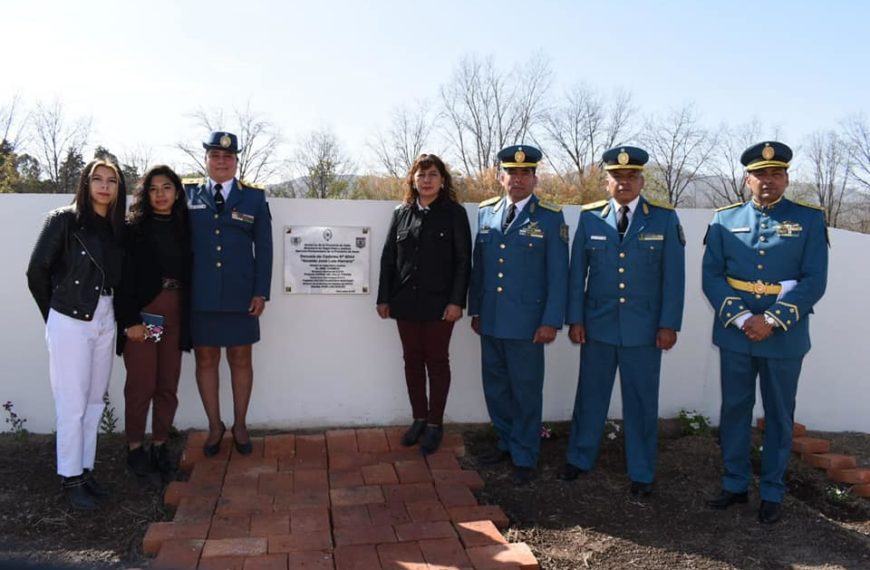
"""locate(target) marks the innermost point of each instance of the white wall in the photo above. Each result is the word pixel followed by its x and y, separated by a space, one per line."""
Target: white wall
pixel 329 360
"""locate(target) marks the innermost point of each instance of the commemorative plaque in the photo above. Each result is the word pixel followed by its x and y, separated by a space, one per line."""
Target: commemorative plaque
pixel 326 260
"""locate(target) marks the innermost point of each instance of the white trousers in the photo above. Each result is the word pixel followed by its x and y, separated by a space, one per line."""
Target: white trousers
pixel 80 355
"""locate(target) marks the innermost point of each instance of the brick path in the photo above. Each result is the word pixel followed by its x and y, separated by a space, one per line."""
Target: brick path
pixel 339 500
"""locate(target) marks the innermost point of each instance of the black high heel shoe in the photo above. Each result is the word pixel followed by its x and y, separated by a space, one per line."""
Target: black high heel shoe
pixel 215 448
pixel 243 448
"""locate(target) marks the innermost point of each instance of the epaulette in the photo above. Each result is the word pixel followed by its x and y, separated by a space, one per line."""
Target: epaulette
pixel 550 206
pixel 813 206
pixel 489 201
pixel 594 205
pixel 662 205
pixel 192 181
pixel 729 206
pixel 251 185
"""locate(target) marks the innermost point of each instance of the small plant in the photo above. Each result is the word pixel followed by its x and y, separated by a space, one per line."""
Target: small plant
pixel 693 423
pixel 16 422
pixel 547 432
pixel 837 495
pixel 611 429
pixel 109 421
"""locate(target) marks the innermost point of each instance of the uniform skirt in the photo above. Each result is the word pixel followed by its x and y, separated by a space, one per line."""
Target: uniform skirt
pixel 212 328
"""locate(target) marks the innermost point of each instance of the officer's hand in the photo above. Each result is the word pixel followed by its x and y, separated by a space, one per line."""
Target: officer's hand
pixel 136 333
pixel 383 310
pixel 577 334
pixel 475 324
pixel 452 313
pixel 756 328
pixel 257 306
pixel 544 335
pixel 666 339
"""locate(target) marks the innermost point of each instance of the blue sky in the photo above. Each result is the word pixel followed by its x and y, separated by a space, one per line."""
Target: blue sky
pixel 139 67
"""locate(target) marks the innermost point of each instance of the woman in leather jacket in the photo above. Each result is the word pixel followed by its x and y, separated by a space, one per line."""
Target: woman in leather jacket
pixel 73 271
pixel 425 267
pixel 155 280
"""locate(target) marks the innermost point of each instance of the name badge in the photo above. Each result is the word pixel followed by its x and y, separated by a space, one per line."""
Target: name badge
pixel 743 230
pixel 243 217
pixel 598 238
pixel 651 237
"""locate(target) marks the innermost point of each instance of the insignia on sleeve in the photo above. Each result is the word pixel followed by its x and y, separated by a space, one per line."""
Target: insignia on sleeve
pixel 729 206
pixel 563 232
pixel 682 235
pixel 594 205
pixel 550 206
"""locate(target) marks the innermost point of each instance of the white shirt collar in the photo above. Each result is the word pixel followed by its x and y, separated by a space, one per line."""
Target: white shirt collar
pixel 520 205
pixel 632 206
pixel 226 187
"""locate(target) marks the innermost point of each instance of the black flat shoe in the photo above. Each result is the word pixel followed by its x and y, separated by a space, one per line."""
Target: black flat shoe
pixel 414 432
pixel 769 512
pixel 161 462
pixel 570 472
pixel 641 489
pixel 431 439
pixel 726 499
pixel 522 476
pixel 215 448
pixel 244 448
pixel 493 456
pixel 138 462
pixel 77 496
pixel 92 486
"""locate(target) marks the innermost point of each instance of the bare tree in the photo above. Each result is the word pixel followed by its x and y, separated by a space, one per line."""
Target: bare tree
pixel 830 165
pixel 58 138
pixel 398 146
pixel 487 109
pixel 726 181
pixel 858 136
pixel 679 147
pixel 323 166
pixel 12 123
pixel 259 140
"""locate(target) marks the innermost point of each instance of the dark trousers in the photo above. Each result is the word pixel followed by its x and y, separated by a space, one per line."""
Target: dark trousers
pixel 425 347
pixel 152 373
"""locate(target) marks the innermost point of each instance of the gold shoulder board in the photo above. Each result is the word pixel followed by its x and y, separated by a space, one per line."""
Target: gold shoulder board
pixel 251 185
pixel 490 201
pixel 729 206
pixel 813 206
pixel 594 205
pixel 550 206
pixel 663 205
pixel 193 181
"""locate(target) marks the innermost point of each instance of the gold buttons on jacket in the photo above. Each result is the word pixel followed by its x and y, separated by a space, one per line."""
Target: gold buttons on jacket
pixel 500 275
pixel 502 246
pixel 622 299
pixel 219 248
pixel 501 260
pixel 621 255
pixel 621 269
pixel 762 238
pixel 759 266
pixel 217 232
pixel 499 288
pixel 622 285
pixel 760 252
pixel 218 264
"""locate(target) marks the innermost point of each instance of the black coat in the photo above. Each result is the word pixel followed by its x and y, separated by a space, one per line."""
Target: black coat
pixel 426 261
pixel 66 271
pixel 142 281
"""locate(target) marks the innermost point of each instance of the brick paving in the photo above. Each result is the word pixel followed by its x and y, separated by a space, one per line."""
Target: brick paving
pixel 339 500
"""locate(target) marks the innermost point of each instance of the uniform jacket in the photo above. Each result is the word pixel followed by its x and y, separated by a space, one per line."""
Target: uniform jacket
pixel 623 292
pixel 785 241
pixel 66 266
pixel 232 251
pixel 426 260
pixel 142 281
pixel 519 278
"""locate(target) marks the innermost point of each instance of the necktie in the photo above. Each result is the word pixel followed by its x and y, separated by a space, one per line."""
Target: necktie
pixel 218 198
pixel 511 214
pixel 622 221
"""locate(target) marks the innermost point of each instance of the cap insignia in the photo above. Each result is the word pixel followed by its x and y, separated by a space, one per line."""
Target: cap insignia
pixel 519 156
pixel 768 153
pixel 226 141
pixel 622 158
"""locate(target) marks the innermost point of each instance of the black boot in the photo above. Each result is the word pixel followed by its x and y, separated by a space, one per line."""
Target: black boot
pixel 431 439
pixel 78 497
pixel 414 432
pixel 92 486
pixel 161 462
pixel 139 462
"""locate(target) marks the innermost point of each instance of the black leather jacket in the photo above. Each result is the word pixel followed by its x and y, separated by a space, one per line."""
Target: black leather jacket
pixel 66 266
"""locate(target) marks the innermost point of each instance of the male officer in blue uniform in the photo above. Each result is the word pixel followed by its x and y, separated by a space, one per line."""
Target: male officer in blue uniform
pixel 231 237
pixel 765 266
pixel 625 305
pixel 517 303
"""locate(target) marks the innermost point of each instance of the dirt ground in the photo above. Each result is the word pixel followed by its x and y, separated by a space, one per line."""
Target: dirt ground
pixel 590 523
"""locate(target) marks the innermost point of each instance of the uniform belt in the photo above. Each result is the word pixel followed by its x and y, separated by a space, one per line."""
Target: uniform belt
pixel 757 287
pixel 170 283
pixel 106 292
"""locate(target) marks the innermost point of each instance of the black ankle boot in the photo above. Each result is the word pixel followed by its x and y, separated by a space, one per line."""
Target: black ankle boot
pixel 92 486
pixel 76 495
pixel 139 462
pixel 431 439
pixel 414 432
pixel 161 461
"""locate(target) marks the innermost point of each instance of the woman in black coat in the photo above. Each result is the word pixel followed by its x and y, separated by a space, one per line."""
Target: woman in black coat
pixel 156 281
pixel 425 267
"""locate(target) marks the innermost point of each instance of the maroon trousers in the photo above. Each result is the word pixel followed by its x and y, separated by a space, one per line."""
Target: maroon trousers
pixel 425 346
pixel 152 373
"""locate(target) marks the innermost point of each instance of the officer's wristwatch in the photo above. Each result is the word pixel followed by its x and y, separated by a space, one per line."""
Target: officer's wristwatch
pixel 771 321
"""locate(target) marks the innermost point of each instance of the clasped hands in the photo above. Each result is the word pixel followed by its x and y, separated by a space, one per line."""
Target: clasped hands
pixel 756 328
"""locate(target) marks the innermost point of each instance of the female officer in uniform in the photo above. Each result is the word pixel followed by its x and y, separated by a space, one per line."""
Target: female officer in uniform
pixel 425 266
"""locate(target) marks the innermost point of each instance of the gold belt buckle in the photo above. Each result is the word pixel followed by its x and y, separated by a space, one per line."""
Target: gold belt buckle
pixel 759 287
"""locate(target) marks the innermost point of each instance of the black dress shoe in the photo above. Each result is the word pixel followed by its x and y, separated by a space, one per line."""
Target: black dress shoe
pixel 161 462
pixel 92 486
pixel 570 472
pixel 138 462
pixel 77 496
pixel 215 448
pixel 493 456
pixel 769 512
pixel 641 489
pixel 431 439
pixel 414 432
pixel 726 499
pixel 243 448
pixel 523 476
